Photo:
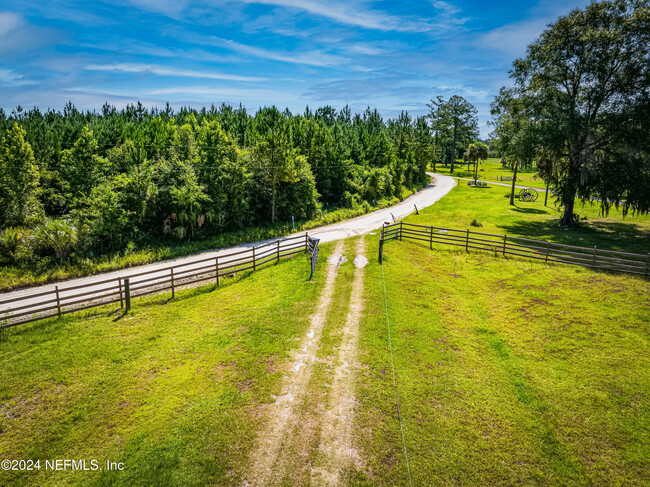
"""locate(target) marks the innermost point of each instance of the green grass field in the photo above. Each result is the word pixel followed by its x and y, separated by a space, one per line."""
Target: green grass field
pixel 534 220
pixel 491 170
pixel 509 371
pixel 169 390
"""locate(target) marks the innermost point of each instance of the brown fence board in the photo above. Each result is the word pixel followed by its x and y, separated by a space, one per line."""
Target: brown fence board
pixel 533 249
pixel 31 312
pixel 152 281
pixel 28 296
pixel 26 306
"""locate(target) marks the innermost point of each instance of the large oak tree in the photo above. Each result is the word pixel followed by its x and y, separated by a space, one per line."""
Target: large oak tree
pixel 585 86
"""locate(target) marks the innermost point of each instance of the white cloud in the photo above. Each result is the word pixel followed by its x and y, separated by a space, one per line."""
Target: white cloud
pixel 9 21
pixel 514 38
pixel 211 91
pixel 312 58
pixel 164 71
pixel 367 49
pixel 347 13
pixel 446 7
pixel 171 8
pixel 11 78
pixel 17 35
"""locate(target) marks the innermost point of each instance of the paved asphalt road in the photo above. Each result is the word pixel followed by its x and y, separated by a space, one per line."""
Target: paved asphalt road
pixel 356 226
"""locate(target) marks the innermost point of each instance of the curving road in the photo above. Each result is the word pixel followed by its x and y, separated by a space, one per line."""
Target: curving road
pixel 356 226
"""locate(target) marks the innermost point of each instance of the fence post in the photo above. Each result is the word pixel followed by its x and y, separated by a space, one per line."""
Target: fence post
pixel 647 265
pixel 431 239
pixel 306 240
pixel 171 270
pixel 253 257
pixel 548 245
pixel 127 294
pixel 467 241
pixel 416 209
pixel 58 301
pixel 216 269
pixel 121 295
pixel 278 260
pixel 593 263
pixel 504 245
pixel 400 230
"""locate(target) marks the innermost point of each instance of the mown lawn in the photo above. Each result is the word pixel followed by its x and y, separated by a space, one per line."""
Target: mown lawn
pixel 491 170
pixel 171 390
pixel 509 372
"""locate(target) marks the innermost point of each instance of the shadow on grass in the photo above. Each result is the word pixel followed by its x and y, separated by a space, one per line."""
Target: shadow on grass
pixel 38 331
pixel 531 211
pixel 627 237
pixel 49 326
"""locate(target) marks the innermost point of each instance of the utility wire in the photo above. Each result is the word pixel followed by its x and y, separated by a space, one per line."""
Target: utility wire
pixel 392 364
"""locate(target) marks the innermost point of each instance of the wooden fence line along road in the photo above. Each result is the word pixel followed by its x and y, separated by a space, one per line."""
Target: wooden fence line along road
pixel 592 257
pixel 61 300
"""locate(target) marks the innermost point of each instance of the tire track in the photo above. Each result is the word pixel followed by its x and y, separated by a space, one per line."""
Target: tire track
pixel 336 446
pixel 283 415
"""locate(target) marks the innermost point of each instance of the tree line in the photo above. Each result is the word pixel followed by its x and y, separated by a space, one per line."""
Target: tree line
pixel 95 182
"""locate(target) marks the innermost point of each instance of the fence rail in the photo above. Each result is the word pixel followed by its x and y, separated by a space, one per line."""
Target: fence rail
pixel 592 257
pixel 62 300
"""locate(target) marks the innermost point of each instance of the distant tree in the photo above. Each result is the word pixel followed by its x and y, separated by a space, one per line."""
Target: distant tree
pixel 585 82
pixel 440 129
pixel 422 147
pixel 223 174
pixel 19 205
pixel 274 158
pixel 189 201
pixel 81 166
pixel 475 152
pixel 58 236
pixel 14 245
pixel 104 216
pixel 456 117
pixel 516 138
pixel 403 139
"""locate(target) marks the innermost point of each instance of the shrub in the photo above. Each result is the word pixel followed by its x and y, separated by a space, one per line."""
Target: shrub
pixel 14 244
pixel 58 236
pixel 475 223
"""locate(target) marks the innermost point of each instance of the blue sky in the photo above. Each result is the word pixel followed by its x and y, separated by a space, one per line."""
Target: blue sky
pixel 289 53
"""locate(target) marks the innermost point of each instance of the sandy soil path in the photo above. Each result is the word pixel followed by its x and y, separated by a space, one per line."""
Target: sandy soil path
pixel 282 417
pixel 307 435
pixel 336 444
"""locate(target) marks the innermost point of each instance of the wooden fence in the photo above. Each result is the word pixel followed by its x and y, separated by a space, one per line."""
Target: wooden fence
pixel 67 299
pixel 610 260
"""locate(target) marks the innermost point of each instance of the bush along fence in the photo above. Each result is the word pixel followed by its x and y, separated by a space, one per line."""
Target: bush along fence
pixel 61 300
pixel 595 258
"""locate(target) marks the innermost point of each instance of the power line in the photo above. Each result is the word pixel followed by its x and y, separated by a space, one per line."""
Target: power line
pixel 392 364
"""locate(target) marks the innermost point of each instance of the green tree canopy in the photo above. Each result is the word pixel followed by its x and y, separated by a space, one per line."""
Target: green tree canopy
pixel 19 204
pixel 584 88
pixel 455 124
pixel 81 166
